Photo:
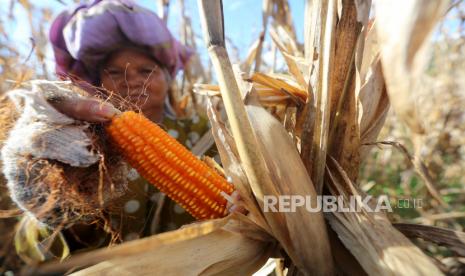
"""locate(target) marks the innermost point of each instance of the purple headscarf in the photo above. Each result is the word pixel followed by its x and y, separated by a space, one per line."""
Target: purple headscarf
pixel 83 38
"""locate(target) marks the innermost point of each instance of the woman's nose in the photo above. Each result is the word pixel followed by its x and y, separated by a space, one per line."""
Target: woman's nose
pixel 132 79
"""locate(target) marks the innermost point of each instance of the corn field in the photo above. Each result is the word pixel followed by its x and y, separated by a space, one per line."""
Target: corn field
pixel 371 102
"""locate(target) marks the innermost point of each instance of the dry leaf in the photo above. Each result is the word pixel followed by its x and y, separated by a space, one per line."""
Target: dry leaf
pixel 403 29
pixel 374 242
pixel 314 154
pixel 453 240
pixel 289 177
pixel 207 248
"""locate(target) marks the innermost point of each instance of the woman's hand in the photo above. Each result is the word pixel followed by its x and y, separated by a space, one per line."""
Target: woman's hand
pixel 82 108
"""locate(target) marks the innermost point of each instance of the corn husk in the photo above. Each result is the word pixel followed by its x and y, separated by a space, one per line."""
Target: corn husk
pixel 404 47
pixel 254 157
pixel 225 246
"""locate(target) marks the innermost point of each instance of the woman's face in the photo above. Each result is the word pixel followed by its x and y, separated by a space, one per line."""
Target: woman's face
pixel 136 77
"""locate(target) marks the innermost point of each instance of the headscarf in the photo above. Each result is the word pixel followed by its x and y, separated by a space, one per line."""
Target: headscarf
pixel 82 38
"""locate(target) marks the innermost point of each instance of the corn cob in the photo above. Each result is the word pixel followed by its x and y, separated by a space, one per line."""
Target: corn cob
pixel 169 166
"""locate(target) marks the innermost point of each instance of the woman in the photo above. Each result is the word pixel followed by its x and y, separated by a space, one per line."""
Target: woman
pixel 128 51
pixel 97 43
pixel 118 49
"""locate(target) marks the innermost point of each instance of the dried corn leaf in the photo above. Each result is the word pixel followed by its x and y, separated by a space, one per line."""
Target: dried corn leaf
pixel 374 242
pixel 453 240
pixel 344 139
pixel 347 32
pixel 370 85
pixel 232 166
pixel 371 96
pixel 35 242
pixel 207 89
pixel 203 144
pixel 267 95
pixel 256 161
pixel 278 84
pixel 284 27
pixel 310 28
pixel 370 52
pixel 314 153
pixel 403 29
pixel 290 59
pixel 266 12
pixel 275 91
pixel 374 107
pixel 363 10
pixel 290 177
pixel 251 54
pixel 251 158
pixel 208 248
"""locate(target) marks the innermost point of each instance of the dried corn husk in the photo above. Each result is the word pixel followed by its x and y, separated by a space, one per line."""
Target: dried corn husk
pixel 403 30
pixel 226 246
pixel 35 242
pixel 55 135
pixel 50 162
pixel 289 177
pixel 257 162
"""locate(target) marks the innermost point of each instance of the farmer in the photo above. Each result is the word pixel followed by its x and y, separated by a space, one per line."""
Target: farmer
pixel 127 50
pixel 118 48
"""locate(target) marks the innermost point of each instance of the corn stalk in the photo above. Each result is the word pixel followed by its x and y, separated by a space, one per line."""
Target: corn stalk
pixel 252 158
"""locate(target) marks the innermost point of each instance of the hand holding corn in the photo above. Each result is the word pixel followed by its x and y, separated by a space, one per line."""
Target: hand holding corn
pixel 84 108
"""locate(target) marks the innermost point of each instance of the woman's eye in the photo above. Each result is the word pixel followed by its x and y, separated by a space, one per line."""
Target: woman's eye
pixel 148 71
pixel 114 72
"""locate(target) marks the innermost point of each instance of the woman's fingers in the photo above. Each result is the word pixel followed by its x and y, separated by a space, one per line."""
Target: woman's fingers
pixel 85 109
